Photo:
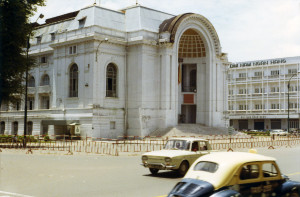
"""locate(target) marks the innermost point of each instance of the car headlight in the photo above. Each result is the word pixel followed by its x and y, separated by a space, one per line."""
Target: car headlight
pixel 144 158
pixel 168 159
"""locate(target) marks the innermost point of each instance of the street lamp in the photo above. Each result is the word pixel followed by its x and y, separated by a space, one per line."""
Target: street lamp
pixel 288 86
pixel 101 41
pixel 26 82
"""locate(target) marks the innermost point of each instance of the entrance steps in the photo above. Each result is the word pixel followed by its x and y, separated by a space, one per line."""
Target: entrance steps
pixel 189 130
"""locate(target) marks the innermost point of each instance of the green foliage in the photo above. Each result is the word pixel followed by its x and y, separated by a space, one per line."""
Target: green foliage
pixel 14 30
pixel 19 139
pixel 267 133
pixel 46 138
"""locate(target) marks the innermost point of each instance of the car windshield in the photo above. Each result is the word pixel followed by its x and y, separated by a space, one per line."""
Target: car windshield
pixel 177 144
pixel 206 166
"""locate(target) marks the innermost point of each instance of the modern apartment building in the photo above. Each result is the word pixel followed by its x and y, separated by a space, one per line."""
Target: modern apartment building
pixel 258 94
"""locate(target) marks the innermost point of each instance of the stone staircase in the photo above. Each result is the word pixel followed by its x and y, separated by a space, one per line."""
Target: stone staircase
pixel 190 130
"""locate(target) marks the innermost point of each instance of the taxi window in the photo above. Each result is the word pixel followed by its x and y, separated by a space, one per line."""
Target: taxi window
pixel 249 172
pixel 202 146
pixel 269 170
pixel 206 166
pixel 177 144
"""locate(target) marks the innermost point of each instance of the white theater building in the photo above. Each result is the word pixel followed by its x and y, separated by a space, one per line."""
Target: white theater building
pixel 258 94
pixel 130 72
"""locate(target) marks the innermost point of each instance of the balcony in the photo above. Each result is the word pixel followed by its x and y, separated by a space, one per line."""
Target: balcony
pixel 44 89
pixel 241 79
pixel 31 90
pixel 189 89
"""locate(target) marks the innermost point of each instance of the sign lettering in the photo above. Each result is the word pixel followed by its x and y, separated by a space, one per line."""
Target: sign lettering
pixel 258 63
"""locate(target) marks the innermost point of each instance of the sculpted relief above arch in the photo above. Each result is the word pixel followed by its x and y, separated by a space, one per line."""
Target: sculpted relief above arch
pixel 172 25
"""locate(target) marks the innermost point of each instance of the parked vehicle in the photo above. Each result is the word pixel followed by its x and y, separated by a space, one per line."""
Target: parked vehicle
pixel 178 154
pixel 278 132
pixel 227 174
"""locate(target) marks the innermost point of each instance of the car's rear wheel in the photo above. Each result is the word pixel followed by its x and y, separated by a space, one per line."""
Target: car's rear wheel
pixel 153 171
pixel 183 168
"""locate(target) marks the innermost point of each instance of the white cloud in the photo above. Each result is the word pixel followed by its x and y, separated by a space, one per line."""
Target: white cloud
pixel 248 30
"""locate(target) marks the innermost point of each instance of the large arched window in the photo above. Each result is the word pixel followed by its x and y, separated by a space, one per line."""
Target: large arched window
pixel 73 86
pixel 111 80
pixel 45 80
pixel 31 82
pixel 15 128
pixel 2 127
pixel 29 128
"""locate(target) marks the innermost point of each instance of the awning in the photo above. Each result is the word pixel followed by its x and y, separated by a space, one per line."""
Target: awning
pixel 74 123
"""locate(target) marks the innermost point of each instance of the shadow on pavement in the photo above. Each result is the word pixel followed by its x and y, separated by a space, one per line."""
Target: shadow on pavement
pixel 165 174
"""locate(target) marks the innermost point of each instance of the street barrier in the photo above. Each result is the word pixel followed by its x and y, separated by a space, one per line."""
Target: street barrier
pixel 134 144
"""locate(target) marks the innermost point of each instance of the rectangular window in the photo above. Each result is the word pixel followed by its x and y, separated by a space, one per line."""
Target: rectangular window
pixel 293 88
pixel 293 105
pixel 230 107
pixel 52 36
pixel 275 106
pixel 259 106
pixel 72 50
pixel 17 105
pixel 275 89
pixel 44 59
pixel 39 39
pixel 30 103
pixel 45 102
pixel 242 75
pixel 243 107
pixel 274 72
pixel 243 91
pixel 230 92
pixel 81 22
pixel 258 74
pixel 292 71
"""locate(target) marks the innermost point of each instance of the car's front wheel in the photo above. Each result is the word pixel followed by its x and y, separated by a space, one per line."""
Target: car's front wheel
pixel 183 168
pixel 153 171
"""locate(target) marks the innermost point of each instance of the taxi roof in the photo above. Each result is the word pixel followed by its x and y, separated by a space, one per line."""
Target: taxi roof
pixel 229 163
pixel 235 157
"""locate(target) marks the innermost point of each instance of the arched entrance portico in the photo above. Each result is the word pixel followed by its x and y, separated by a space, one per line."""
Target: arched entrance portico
pixel 201 70
pixel 192 83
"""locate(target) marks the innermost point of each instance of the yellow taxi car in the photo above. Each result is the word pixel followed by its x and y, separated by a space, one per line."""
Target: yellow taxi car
pixel 227 174
pixel 178 154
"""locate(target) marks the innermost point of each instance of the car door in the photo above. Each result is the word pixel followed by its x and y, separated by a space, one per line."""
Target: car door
pixel 198 148
pixel 249 179
pixel 258 179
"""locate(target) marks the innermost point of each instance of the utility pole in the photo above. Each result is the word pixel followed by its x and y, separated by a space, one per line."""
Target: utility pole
pixel 26 83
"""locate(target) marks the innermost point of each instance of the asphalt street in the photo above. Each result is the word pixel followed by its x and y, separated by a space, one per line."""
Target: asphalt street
pixel 57 174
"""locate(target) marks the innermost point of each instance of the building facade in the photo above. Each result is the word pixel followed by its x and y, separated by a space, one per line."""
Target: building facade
pixel 107 73
pixel 259 97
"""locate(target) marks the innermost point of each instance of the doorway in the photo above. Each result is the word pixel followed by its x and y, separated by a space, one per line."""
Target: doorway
pixel 188 114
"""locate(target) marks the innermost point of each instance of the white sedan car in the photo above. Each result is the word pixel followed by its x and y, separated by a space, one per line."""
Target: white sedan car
pixel 278 132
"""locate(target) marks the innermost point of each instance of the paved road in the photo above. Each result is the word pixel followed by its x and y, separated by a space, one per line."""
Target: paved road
pixel 43 175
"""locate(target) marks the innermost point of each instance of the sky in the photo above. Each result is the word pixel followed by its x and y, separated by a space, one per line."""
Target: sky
pixel 248 29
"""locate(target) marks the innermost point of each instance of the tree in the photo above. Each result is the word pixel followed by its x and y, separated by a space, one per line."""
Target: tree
pixel 15 28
